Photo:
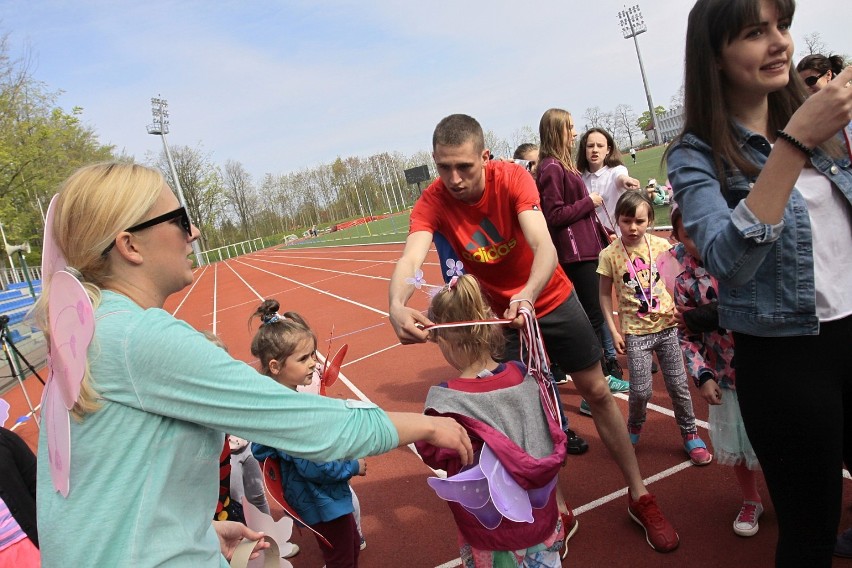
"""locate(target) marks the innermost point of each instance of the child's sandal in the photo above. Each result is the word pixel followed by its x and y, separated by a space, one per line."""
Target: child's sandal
pixel 697 450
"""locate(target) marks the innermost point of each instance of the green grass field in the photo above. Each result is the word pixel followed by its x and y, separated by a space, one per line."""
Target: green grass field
pixel 395 228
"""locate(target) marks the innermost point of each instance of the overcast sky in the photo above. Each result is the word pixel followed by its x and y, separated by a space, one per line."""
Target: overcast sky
pixel 280 86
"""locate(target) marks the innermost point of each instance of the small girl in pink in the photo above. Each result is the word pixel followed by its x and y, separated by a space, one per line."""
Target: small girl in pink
pixel 709 353
pixel 647 315
pixel 499 405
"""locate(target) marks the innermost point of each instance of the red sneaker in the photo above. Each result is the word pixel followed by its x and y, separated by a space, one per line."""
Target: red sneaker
pixel 570 525
pixel 659 533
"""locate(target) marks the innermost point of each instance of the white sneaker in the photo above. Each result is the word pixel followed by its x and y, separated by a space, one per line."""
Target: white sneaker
pixel 746 522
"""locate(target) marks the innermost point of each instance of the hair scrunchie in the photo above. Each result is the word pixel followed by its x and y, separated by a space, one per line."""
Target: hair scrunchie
pixel 270 318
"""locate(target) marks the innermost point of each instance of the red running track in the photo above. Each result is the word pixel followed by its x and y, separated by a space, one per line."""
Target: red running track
pixel 405 523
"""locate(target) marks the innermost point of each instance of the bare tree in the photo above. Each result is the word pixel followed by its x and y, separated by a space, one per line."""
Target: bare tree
pixel 813 44
pixel 240 194
pixel 199 181
pixel 523 135
pixel 677 98
pixel 626 120
pixel 498 146
pixel 594 118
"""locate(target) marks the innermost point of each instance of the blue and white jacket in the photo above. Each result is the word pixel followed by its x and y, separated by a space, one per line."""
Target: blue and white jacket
pixel 319 492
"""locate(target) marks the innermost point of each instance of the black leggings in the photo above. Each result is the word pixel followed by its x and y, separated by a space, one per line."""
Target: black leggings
pixel 796 399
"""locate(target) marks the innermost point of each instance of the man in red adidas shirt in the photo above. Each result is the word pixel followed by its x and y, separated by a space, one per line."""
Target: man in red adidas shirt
pixel 489 212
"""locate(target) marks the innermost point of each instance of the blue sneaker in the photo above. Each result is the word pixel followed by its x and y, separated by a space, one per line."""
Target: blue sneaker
pixel 585 408
pixel 617 385
pixel 634 432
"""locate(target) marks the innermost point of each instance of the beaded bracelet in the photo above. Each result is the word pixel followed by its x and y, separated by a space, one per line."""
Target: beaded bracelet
pixel 795 142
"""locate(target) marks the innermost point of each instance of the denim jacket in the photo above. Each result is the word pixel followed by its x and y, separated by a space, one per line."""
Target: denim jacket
pixel 765 272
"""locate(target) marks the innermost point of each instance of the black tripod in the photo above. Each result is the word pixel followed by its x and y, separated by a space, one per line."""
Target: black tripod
pixel 12 356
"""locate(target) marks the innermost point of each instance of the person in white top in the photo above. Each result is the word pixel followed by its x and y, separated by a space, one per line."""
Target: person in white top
pixel 599 162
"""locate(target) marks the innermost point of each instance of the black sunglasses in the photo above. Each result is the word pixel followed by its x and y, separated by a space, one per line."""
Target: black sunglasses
pixel 179 213
pixel 812 80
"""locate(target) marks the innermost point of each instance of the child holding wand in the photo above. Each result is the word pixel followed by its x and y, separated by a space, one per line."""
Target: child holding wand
pixel 319 492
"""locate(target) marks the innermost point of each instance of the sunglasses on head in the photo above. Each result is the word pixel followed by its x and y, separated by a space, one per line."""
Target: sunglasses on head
pixel 179 214
pixel 812 80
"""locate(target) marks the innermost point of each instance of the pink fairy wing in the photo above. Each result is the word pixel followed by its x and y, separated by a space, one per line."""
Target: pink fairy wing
pixel 58 423
pixel 669 268
pixel 332 368
pixel 51 257
pixel 72 325
pixel 509 498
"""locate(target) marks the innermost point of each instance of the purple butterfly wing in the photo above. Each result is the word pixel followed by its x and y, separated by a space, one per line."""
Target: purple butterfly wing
pixel 468 487
pixel 539 497
pixel 509 498
pixel 4 412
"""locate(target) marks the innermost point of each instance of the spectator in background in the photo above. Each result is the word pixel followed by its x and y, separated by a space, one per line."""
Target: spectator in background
pixel 633 154
pixel 816 70
pixel 528 152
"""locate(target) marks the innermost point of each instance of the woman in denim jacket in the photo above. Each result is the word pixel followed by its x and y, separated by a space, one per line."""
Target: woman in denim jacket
pixel 765 187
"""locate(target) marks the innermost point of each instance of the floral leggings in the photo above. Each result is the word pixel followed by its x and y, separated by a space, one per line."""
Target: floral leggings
pixel 544 555
pixel 640 349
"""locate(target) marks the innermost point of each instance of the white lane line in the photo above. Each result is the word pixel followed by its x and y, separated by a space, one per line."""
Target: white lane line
pixel 358 274
pixel 215 294
pixel 255 292
pixel 194 282
pixel 310 287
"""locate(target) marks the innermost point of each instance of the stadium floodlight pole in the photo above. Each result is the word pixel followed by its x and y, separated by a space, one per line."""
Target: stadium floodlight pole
pixel 632 25
pixel 160 127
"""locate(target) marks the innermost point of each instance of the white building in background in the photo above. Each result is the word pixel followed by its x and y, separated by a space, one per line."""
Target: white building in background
pixel 670 123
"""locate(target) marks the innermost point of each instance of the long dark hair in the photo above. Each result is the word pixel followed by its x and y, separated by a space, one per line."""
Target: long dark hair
pixel 713 24
pixel 613 157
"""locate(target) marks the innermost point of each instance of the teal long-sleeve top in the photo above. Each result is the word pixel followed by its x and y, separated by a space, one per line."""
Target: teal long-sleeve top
pixel 144 467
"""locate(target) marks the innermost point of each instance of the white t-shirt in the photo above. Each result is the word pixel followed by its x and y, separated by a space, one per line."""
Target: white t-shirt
pixel 831 225
pixel 604 183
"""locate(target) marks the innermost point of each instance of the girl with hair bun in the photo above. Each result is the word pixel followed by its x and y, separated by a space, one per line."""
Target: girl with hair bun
pixel 318 491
